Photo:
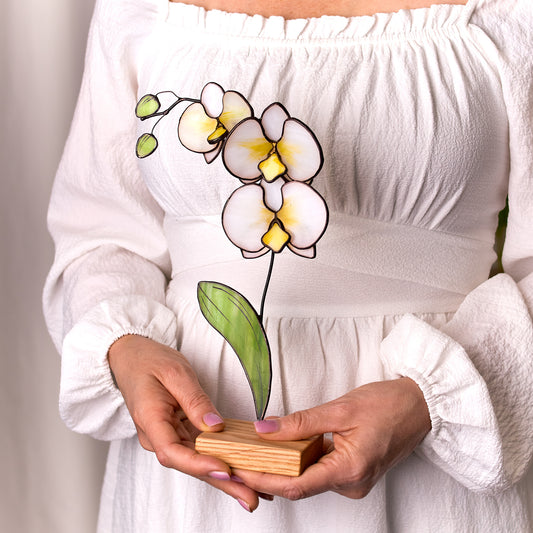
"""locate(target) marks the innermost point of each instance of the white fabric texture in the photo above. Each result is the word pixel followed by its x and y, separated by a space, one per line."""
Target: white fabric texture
pixel 425 118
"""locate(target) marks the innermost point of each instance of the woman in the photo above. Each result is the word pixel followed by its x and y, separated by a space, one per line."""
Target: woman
pixel 392 338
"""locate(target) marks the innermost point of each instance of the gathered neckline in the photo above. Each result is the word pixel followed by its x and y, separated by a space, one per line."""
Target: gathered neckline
pixel 325 15
pixel 327 27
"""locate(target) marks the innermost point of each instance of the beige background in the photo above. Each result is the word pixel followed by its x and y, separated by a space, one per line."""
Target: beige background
pixel 49 477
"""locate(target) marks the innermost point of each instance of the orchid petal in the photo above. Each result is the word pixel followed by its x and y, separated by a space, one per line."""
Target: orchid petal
pixel 245 218
pixel 255 255
pixel 195 127
pixel 272 120
pixel 299 151
pixel 273 197
pixel 304 214
pixel 211 99
pixel 276 237
pixel 309 253
pixel 245 148
pixel 212 155
pixel 236 108
pixel 251 180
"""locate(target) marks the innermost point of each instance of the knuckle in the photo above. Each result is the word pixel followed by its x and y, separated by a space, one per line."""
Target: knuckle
pixel 300 421
pixel 342 413
pixel 145 444
pixel 143 440
pixel 163 456
pixel 174 374
pixel 293 493
pixel 195 399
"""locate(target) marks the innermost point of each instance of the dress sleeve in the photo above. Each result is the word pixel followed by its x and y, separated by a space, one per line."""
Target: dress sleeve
pixel 111 264
pixel 477 371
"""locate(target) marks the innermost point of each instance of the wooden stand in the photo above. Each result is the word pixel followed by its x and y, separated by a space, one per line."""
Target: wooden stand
pixel 240 447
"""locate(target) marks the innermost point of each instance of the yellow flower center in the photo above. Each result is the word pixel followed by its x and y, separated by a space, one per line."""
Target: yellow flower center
pixel 219 132
pixel 275 238
pixel 272 167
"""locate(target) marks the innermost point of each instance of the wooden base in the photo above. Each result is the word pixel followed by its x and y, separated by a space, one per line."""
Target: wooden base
pixel 239 446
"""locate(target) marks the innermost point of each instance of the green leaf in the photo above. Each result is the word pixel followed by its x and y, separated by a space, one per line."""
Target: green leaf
pixel 230 313
pixel 147 106
pixel 146 145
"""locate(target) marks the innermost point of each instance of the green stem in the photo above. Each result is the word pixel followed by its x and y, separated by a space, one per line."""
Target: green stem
pixel 267 282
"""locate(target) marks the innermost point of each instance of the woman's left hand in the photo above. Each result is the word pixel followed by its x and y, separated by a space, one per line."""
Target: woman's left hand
pixel 374 427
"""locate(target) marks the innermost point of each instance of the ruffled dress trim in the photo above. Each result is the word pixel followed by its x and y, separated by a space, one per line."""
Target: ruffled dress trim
pixel 326 28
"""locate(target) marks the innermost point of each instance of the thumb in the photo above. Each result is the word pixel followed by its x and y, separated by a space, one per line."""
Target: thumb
pixel 299 425
pixel 196 404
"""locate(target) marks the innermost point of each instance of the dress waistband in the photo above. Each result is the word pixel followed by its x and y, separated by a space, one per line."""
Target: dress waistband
pixel 363 267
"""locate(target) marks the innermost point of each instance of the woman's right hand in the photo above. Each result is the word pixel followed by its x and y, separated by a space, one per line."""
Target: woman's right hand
pixel 169 409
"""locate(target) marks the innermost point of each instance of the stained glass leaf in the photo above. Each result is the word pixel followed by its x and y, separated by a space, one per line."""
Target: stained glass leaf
pixel 147 106
pixel 146 145
pixel 230 313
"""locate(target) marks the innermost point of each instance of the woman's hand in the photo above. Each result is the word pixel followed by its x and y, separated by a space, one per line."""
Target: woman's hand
pixel 169 409
pixel 374 427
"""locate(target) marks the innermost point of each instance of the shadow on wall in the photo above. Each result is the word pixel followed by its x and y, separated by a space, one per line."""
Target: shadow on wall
pixel 52 476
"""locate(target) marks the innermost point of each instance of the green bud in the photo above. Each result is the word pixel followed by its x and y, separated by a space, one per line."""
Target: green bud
pixel 146 145
pixel 147 106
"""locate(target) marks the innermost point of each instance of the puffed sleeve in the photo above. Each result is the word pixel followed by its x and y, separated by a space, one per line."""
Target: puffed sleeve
pixel 111 262
pixel 477 372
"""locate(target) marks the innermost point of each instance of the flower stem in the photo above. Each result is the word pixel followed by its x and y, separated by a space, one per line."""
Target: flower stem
pixel 163 114
pixel 267 282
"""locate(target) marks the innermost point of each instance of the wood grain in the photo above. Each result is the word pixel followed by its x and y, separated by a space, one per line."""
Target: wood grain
pixel 240 447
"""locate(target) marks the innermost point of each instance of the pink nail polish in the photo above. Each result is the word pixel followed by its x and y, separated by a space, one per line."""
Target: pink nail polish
pixel 223 476
pixel 236 479
pixel 212 419
pixel 267 426
pixel 244 505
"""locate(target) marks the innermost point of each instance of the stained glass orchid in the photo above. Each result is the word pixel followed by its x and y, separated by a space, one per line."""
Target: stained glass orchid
pixel 272 147
pixel 269 216
pixel 205 124
pixel 276 157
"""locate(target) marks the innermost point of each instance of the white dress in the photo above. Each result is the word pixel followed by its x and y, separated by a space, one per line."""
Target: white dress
pixel 425 120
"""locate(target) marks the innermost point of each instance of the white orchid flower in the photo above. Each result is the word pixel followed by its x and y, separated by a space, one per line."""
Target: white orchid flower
pixel 204 125
pixel 269 216
pixel 275 146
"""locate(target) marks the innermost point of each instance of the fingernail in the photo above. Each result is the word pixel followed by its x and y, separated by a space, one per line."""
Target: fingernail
pixel 267 426
pixel 212 419
pixel 265 496
pixel 236 479
pixel 244 505
pixel 224 476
